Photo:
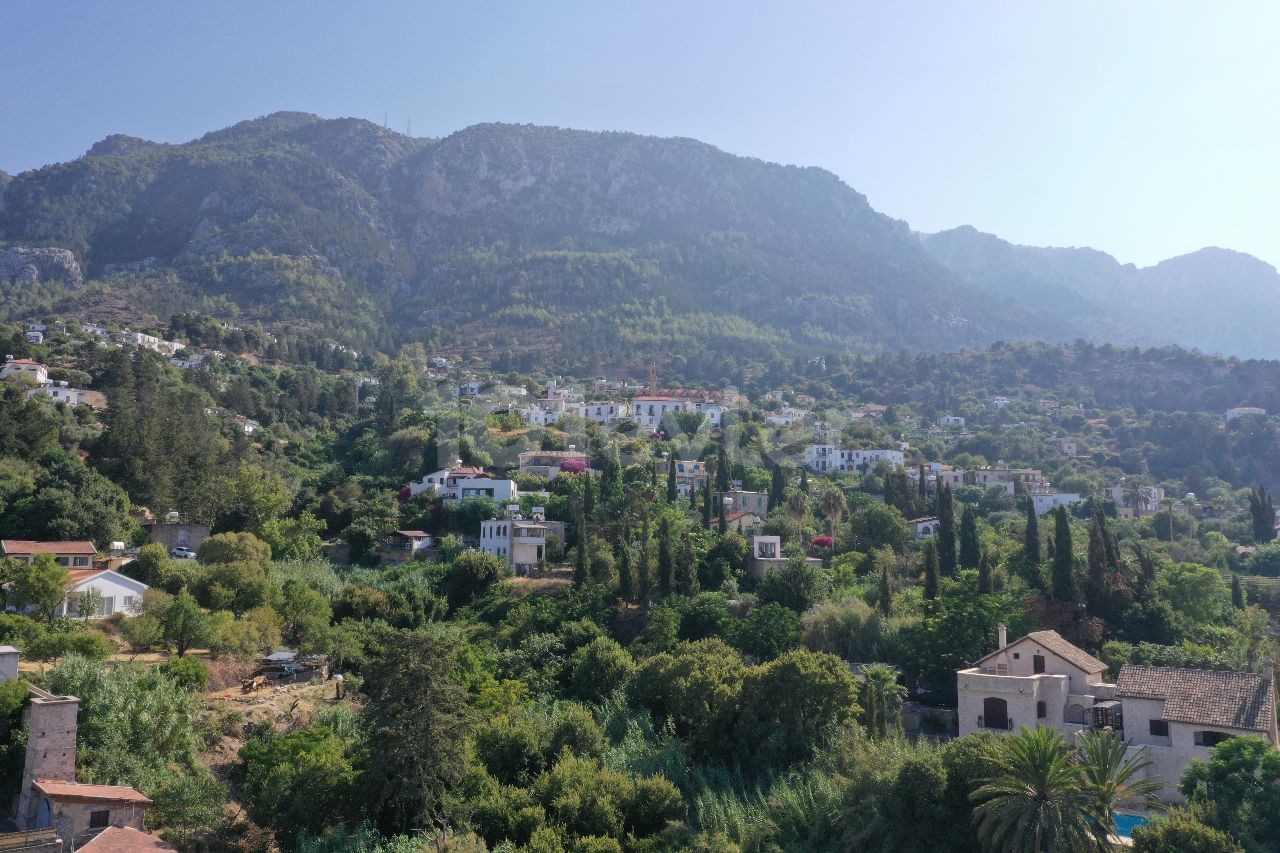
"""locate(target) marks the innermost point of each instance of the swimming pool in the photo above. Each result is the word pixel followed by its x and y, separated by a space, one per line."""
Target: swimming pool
pixel 1126 822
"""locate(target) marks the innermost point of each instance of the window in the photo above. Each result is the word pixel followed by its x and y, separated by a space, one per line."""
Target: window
pixel 1017 655
pixel 99 819
pixel 1042 711
pixel 1159 728
pixel 80 562
pixel 1037 664
pixel 1206 738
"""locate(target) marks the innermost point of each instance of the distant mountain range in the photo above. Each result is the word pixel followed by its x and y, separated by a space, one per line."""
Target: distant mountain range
pixel 549 246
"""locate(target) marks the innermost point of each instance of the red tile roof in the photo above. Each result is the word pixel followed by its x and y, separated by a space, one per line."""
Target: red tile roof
pixel 78 575
pixel 22 361
pixel 123 839
pixel 28 546
pixel 94 793
pixel 1231 700
pixel 411 533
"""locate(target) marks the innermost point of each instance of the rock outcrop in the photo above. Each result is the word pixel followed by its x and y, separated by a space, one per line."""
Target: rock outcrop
pixel 20 265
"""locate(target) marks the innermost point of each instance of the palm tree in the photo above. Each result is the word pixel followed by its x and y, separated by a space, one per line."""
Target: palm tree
pixel 797 506
pixel 831 502
pixel 1111 779
pixel 1166 506
pixel 1135 495
pixel 1191 504
pixel 882 696
pixel 1036 800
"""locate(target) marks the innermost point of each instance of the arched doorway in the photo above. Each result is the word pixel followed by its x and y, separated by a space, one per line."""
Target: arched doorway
pixel 995 713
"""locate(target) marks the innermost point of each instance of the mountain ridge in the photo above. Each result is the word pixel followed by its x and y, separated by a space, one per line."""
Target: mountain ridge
pixel 556 244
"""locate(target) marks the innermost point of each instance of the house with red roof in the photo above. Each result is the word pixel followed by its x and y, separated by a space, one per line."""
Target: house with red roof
pixel 76 554
pixel 24 368
pixel 116 593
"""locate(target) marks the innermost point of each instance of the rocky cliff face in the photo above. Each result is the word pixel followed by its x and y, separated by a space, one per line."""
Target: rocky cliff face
pixel 23 266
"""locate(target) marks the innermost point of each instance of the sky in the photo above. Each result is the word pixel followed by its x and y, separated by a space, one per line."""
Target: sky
pixel 1145 129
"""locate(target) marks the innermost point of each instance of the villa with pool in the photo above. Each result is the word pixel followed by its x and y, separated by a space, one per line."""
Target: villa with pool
pixel 1168 715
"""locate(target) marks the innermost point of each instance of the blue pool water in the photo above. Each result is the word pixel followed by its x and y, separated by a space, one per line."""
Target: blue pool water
pixel 1126 822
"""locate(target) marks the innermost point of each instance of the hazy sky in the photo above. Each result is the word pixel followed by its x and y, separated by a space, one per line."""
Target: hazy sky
pixel 1147 129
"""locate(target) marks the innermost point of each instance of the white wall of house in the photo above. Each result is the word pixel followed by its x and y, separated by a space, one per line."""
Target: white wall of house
pixel 120 594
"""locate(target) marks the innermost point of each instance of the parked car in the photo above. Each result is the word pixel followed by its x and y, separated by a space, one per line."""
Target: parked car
pixel 182 553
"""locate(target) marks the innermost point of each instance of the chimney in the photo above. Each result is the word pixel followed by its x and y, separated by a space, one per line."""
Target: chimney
pixel 1002 633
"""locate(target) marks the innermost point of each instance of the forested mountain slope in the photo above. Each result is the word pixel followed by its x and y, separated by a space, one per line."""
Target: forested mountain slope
pixel 551 246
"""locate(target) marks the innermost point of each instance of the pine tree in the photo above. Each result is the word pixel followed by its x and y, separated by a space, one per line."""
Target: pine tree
pixel 946 532
pixel 884 599
pixel 970 547
pixel 1063 580
pixel 985 584
pixel 1237 592
pixel 644 568
pixel 930 570
pixel 706 504
pixel 673 493
pixel 626 575
pixel 1031 538
pixel 666 558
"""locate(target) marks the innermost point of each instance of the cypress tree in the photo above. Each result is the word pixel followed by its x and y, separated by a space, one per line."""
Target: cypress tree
pixel 686 569
pixel 666 558
pixel 930 570
pixel 588 497
pixel 580 555
pixel 1237 592
pixel 1031 538
pixel 884 600
pixel 921 488
pixel 1098 579
pixel 777 487
pixel 673 493
pixel 626 576
pixel 946 532
pixel 804 480
pixel 644 569
pixel 722 469
pixel 722 525
pixel 693 497
pixel 1262 514
pixel 706 504
pixel 970 548
pixel 1063 580
pixel 985 585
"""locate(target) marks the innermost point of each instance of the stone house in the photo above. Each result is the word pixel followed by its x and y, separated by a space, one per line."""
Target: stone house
pixel 1169 716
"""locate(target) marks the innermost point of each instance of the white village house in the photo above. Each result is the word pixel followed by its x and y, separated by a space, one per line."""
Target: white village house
pixel 457 484
pixel 1169 716
pixel 117 593
pixel 821 458
pixel 519 542
pixel 648 409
